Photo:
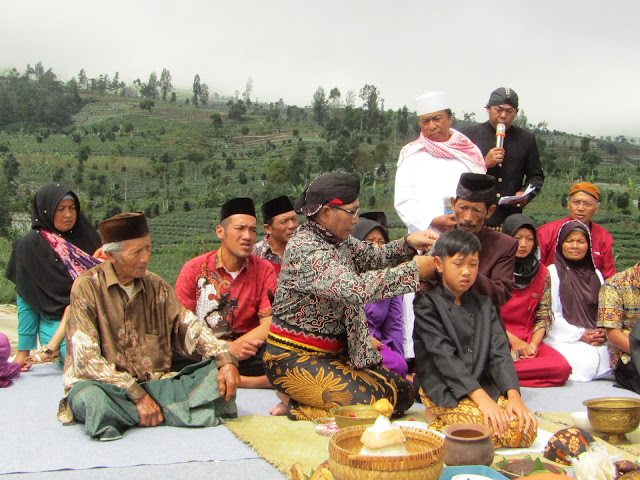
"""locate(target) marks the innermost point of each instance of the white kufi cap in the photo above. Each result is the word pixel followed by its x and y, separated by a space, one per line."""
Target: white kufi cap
pixel 431 102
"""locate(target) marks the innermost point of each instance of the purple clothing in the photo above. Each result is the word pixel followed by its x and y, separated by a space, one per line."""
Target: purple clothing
pixel 8 371
pixel 385 324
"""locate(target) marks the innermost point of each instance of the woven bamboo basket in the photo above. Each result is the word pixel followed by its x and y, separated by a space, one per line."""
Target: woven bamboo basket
pixel 424 461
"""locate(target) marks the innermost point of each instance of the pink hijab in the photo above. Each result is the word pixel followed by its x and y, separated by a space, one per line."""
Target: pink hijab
pixel 8 371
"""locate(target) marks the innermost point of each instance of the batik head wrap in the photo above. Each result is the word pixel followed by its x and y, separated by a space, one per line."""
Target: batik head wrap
pixel 503 96
pixel 585 187
pixel 525 268
pixel 333 188
pixel 579 282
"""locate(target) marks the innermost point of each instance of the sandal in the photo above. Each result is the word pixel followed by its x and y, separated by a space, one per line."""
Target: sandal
pixel 43 355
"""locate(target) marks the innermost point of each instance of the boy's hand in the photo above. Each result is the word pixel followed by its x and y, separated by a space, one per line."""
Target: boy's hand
pixel 494 416
pixel 517 408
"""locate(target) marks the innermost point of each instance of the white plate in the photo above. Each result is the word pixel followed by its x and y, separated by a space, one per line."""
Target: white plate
pixel 413 424
pixel 469 476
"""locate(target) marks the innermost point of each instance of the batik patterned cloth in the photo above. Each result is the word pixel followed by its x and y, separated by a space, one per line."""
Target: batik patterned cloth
pixel 468 412
pixel 263 250
pixel 317 382
pixel 619 307
pixel 231 307
pixel 75 259
pixel 123 341
pixel 324 284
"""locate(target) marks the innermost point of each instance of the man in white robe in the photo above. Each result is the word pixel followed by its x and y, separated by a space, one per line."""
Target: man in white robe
pixel 428 172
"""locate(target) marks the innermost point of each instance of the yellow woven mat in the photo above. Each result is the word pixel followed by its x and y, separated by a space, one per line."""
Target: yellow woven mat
pixel 282 442
pixel 558 420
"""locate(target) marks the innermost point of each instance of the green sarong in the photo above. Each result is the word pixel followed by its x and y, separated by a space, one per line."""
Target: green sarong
pixel 189 399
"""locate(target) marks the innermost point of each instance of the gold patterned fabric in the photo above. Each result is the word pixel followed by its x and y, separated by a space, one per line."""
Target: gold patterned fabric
pixel 468 412
pixel 317 382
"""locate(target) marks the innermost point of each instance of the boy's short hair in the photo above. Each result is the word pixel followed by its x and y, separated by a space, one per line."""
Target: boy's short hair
pixel 455 241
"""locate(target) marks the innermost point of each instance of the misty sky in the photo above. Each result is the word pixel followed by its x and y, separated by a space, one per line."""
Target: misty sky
pixel 573 63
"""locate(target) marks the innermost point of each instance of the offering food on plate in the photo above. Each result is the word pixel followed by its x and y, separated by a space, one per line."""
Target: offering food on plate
pixel 383 407
pixel 383 439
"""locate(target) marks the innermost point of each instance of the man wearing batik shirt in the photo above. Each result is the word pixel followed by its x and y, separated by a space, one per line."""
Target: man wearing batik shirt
pixel 280 221
pixel 231 290
pixel 123 324
pixel 618 313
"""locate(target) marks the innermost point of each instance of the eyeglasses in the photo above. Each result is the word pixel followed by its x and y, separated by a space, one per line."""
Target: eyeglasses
pixel 586 204
pixel 353 213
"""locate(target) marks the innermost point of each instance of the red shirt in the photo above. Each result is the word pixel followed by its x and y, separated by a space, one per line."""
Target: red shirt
pixel 601 240
pixel 231 307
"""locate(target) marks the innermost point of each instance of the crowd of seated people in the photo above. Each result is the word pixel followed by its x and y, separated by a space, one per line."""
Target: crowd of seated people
pixel 315 310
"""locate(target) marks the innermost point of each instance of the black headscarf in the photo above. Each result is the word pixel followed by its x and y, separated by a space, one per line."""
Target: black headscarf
pixel 41 278
pixel 579 282
pixel 525 268
pixel 333 188
pixel 365 225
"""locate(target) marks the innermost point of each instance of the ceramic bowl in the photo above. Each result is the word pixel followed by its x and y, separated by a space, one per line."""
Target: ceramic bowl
pixel 581 420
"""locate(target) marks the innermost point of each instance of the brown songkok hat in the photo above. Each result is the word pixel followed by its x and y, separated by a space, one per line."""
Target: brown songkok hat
pixel 503 95
pixel 586 187
pixel 236 206
pixel 476 187
pixel 124 226
pixel 276 206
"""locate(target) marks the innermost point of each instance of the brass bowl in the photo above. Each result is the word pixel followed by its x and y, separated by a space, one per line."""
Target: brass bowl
pixel 352 415
pixel 614 416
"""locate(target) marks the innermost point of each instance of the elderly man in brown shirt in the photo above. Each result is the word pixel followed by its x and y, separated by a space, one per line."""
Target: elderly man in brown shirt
pixel 123 325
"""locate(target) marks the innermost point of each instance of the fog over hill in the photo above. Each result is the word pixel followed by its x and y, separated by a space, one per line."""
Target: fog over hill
pixel 572 62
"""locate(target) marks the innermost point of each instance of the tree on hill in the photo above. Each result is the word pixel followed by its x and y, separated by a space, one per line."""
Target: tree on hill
pixel 196 90
pixel 248 89
pixel 216 119
pixel 165 84
pixel 369 94
pixel 204 94
pixel 37 103
pixel 82 79
pixel 237 110
pixel 319 105
pixel 147 105
pixel 150 89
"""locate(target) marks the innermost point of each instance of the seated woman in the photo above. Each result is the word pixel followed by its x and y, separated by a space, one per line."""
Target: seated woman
pixel 43 265
pixel 384 316
pixel 464 371
pixel 575 284
pixel 319 353
pixel 527 315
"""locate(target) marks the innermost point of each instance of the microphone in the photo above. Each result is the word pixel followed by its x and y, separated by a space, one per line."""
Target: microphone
pixel 500 134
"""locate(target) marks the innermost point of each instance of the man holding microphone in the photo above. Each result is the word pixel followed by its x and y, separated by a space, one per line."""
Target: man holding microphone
pixel 511 155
